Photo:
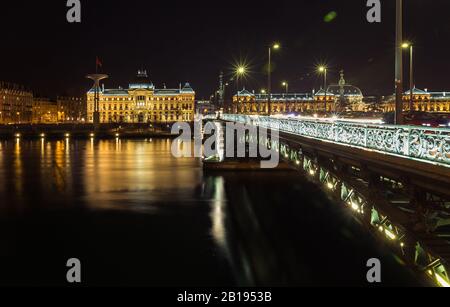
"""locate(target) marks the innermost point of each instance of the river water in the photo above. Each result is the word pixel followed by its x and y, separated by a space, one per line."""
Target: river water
pixel 136 216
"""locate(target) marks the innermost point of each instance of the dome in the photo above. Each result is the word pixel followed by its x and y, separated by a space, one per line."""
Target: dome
pixel 187 89
pixel 349 90
pixel 142 81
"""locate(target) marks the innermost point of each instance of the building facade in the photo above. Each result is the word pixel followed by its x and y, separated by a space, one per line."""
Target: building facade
pixel 16 104
pixel 71 109
pixel 423 101
pixel 45 111
pixel 340 97
pixel 143 103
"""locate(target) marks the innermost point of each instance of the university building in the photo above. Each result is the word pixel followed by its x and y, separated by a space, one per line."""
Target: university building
pixel 16 104
pixel 141 102
pixel 339 97
pixel 423 101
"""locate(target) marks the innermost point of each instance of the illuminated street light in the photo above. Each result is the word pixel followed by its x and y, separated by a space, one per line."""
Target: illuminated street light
pixel 411 74
pixel 263 91
pixel 286 86
pixel 241 71
pixel 324 70
pixel 275 46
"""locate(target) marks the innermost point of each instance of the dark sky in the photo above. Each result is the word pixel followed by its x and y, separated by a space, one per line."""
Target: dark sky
pixel 179 41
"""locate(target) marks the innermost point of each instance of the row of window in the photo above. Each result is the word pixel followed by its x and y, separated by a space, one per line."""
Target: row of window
pixel 105 107
pixel 144 98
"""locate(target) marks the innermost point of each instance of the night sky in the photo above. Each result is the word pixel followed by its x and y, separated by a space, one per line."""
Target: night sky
pixel 179 41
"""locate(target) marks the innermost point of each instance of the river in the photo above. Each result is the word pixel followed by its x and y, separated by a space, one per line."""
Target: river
pixel 136 216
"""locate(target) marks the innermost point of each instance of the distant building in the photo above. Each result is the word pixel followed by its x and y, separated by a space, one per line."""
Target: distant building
pixel 143 103
pixel 71 109
pixel 16 104
pixel 204 107
pixel 423 101
pixel 45 111
pixel 340 98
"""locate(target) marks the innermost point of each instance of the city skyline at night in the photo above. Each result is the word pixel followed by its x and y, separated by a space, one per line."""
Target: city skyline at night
pixel 225 152
pixel 171 48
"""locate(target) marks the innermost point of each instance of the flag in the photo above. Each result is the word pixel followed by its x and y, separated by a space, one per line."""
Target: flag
pixel 98 63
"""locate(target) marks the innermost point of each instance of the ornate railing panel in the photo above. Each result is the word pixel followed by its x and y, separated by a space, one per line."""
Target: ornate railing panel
pixel 424 144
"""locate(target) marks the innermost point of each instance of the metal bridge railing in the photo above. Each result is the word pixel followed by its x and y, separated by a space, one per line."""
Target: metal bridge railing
pixel 420 143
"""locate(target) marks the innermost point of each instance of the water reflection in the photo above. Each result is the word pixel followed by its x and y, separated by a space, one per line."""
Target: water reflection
pixel 158 220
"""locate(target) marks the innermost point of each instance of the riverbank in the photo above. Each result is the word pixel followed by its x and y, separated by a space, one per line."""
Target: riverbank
pixel 85 131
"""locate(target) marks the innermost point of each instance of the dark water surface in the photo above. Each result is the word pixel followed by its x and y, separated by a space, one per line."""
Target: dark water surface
pixel 136 216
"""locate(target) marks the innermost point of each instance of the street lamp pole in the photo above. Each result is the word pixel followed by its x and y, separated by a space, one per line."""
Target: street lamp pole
pixel 269 82
pixel 399 64
pixel 286 86
pixel 325 87
pixel 324 70
pixel 269 77
pixel 411 78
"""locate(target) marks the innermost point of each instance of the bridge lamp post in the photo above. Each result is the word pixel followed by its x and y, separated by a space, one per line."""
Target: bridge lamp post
pixel 411 74
pixel 275 46
pixel 286 86
pixel 324 70
pixel 240 72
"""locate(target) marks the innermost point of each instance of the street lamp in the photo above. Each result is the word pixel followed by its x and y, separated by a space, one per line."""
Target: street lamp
pixel 286 86
pixel 275 46
pixel 411 74
pixel 240 72
pixel 324 70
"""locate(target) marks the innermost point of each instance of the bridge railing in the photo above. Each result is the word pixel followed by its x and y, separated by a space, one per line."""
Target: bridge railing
pixel 420 143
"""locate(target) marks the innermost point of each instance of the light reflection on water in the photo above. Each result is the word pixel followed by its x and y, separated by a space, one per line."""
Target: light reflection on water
pixel 158 220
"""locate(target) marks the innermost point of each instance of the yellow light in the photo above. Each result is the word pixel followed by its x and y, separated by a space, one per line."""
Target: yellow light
pixel 405 45
pixel 311 172
pixel 92 135
pixel 67 135
pixel 18 135
pixel 322 68
pixel 430 272
pixel 117 135
pixel 241 70
pixel 330 185
pixel 297 162
pixel 42 135
pixel 284 83
pixel 276 46
pixel 389 234
pixel 263 91
pixel 442 281
pixel 355 207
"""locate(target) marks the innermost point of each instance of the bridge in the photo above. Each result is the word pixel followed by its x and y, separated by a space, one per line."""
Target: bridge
pixel 394 179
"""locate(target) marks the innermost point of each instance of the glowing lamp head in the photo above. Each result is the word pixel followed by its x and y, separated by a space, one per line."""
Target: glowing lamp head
pixel 322 68
pixel 241 70
pixel 276 46
pixel 406 45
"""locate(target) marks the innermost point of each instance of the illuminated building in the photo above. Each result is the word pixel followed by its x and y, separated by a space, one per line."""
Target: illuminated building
pixel 71 109
pixel 340 98
pixel 16 104
pixel 143 103
pixel 423 100
pixel 45 111
pixel 205 107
